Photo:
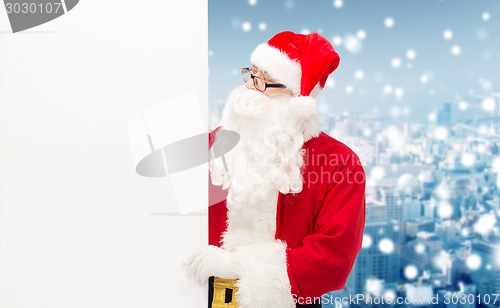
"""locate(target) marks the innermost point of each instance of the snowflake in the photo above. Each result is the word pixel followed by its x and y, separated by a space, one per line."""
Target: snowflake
pixel 420 248
pixel 399 92
pixel 330 83
pixel 337 40
pixel 456 50
pixel 445 209
pixel 411 272
pixel 367 241
pixel 411 54
pixel 262 26
pixel 338 3
pixel 440 133
pixel 388 89
pixel 396 62
pixel 349 89
pixel 485 224
pixel 468 159
pixel 485 16
pixel 462 105
pixel 252 2
pixel 389 22
pixel 496 164
pixel 377 173
pixel 424 79
pixel 246 26
pixel 361 34
pixel 473 262
pixel 443 191
pixel 359 75
pixel 386 246
pixel 448 35
pixel 352 44
pixel 488 104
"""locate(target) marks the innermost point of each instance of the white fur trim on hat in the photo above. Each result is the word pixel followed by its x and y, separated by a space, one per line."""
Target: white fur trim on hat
pixel 263 276
pixel 305 107
pixel 277 64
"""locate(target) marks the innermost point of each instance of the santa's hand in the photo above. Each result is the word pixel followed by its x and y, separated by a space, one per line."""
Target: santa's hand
pixel 212 261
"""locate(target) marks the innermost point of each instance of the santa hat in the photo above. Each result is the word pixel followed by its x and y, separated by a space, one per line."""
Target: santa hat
pixel 302 63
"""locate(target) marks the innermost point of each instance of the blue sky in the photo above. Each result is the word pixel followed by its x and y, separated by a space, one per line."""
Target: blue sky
pixel 432 69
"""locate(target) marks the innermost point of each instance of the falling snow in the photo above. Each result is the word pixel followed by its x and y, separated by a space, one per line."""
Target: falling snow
pixel 338 3
pixel 411 54
pixel 387 89
pixel 485 16
pixel 377 173
pixel 445 210
pixel 361 34
pixel 399 92
pixel 440 133
pixel 389 22
pixel 468 159
pixel 367 241
pixel 262 26
pixel 485 224
pixel 488 104
pixel 473 262
pixel 411 272
pixel 420 248
pixel 337 40
pixel 386 246
pixel 448 35
pixel 456 50
pixel 359 75
pixel 396 62
pixel 246 26
pixel 352 44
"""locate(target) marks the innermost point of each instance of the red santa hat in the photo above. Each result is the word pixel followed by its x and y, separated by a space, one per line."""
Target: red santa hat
pixel 301 62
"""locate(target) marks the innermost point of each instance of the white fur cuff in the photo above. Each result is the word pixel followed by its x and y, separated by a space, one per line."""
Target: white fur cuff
pixel 263 276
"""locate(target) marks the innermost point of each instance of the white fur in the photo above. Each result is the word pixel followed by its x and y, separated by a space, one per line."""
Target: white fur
pixel 263 279
pixel 278 66
pixel 305 108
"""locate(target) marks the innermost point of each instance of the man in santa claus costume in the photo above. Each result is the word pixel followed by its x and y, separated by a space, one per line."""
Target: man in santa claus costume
pixel 292 223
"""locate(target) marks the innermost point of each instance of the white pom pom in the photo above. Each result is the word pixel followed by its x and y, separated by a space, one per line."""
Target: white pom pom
pixel 303 106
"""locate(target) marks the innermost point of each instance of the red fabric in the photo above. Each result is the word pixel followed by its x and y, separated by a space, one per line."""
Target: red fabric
pixel 323 224
pixel 314 53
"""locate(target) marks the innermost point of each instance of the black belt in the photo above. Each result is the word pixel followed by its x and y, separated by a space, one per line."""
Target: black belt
pixel 222 293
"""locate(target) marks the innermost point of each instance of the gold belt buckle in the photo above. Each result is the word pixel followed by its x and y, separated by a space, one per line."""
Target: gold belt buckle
pixel 224 289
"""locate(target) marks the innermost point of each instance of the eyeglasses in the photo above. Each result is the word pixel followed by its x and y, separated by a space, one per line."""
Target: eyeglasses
pixel 259 83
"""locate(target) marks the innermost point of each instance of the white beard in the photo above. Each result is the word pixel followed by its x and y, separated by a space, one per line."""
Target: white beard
pixel 267 160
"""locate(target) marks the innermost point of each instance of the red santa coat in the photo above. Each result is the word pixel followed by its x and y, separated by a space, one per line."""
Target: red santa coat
pixel 322 225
